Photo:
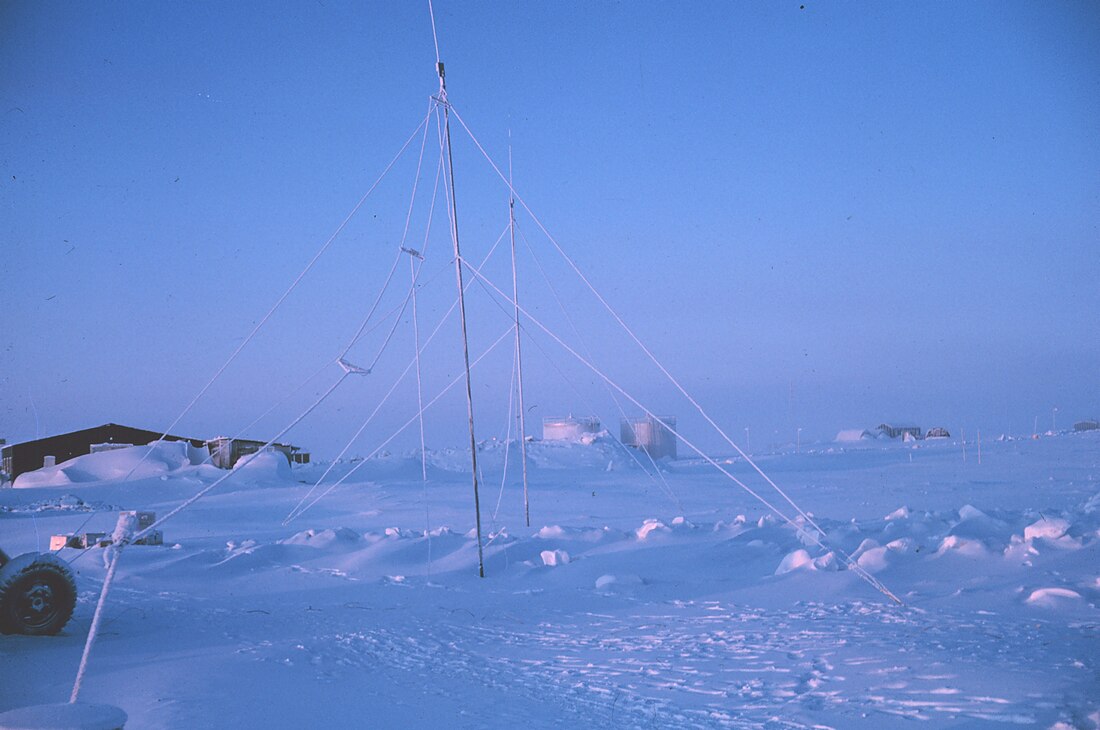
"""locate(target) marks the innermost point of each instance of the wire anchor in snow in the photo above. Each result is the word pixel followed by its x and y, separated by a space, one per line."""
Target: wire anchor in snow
pixel 352 369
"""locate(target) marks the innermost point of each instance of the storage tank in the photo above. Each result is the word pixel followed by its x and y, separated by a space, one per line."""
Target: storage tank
pixel 651 434
pixel 569 429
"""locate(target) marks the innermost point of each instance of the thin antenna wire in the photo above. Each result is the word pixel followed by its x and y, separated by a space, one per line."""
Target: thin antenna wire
pixel 291 288
pixel 435 37
pixel 816 537
pixel 626 328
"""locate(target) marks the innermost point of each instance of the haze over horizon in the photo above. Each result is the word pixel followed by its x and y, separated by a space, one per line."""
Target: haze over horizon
pixel 816 215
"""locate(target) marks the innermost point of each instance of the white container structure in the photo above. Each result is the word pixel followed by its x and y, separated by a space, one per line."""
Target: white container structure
pixel 569 429
pixel 651 434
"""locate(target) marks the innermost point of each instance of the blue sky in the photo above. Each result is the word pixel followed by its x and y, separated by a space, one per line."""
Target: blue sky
pixel 817 214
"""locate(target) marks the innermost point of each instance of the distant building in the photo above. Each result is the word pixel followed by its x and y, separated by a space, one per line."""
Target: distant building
pixel 899 431
pixel 651 434
pixel 851 435
pixel 1092 425
pixel 52 450
pixel 569 429
pixel 937 433
pixel 31 455
pixel 225 452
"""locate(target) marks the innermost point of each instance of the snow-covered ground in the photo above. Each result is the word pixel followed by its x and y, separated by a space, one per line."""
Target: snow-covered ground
pixel 631 601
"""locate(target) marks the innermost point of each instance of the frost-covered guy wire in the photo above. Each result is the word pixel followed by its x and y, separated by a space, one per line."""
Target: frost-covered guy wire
pixel 289 394
pixel 297 510
pixel 407 423
pixel 281 299
pixel 93 631
pixel 120 541
pixel 683 391
pixel 348 370
pixel 815 537
pixel 614 398
pixel 507 439
pixel 414 271
pixel 661 484
pixel 360 332
pixel 630 452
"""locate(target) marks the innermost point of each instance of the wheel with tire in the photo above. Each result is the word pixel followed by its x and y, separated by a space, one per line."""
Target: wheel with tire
pixel 37 595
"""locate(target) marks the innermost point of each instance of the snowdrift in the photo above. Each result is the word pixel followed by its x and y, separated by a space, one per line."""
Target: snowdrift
pixel 159 459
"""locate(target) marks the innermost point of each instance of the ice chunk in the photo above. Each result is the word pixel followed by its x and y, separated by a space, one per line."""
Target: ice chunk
pixel 552 558
pixel 649 526
pixel 1050 528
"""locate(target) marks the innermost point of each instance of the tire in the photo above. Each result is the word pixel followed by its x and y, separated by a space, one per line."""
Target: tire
pixel 37 595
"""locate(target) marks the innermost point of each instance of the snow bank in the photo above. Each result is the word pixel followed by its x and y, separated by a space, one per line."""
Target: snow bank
pixel 797 560
pixel 341 536
pixel 266 466
pixel 163 458
pixel 1052 597
pixel 618 583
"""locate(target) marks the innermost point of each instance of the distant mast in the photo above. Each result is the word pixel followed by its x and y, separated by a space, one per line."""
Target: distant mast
pixel 519 355
pixel 461 308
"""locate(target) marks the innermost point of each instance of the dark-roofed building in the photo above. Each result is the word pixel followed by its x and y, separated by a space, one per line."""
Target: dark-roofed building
pixel 225 452
pixel 31 455
pixel 899 431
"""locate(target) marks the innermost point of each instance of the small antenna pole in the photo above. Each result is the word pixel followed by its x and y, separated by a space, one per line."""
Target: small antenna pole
pixel 419 384
pixel 461 309
pixel 519 355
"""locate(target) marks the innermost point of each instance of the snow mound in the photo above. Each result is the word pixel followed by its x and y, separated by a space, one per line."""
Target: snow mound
pixel 597 453
pixel 796 560
pixel 616 583
pixel 800 560
pixel 875 558
pixel 978 527
pixel 163 458
pixel 901 513
pixel 970 512
pixel 1052 597
pixel 264 466
pixel 324 538
pixel 962 546
pixel 650 525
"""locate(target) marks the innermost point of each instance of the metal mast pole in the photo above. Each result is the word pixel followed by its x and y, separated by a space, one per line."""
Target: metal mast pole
pixel 419 386
pixel 519 354
pixel 461 308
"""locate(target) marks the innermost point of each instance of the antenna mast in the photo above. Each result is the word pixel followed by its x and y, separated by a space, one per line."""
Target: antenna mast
pixel 442 98
pixel 519 356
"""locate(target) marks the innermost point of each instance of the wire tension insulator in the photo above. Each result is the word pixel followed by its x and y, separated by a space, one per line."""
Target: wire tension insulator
pixel 352 369
pixel 413 252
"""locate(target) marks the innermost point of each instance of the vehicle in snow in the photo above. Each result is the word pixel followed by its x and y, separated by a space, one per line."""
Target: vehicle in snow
pixel 37 594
